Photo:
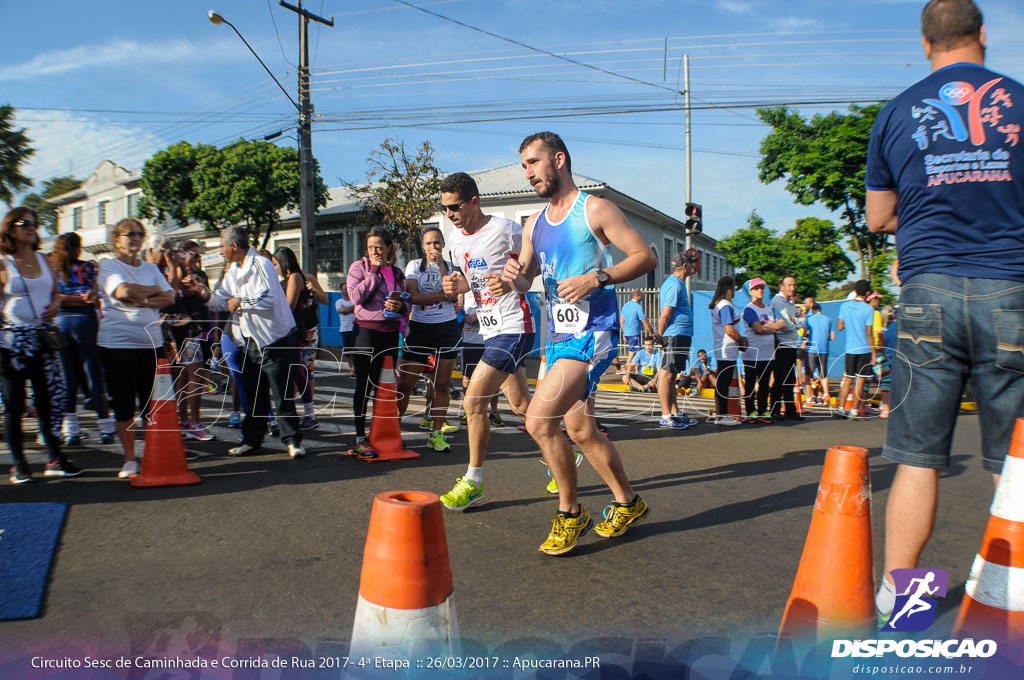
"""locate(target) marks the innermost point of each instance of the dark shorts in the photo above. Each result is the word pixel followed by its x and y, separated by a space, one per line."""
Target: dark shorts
pixel 817 362
pixel 858 365
pixel 440 340
pixel 506 352
pixel 471 355
pixel 954 329
pixel 634 343
pixel 801 354
pixel 675 352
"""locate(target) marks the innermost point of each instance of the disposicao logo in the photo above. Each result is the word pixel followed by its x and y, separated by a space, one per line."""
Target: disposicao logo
pixel 956 93
pixel 915 609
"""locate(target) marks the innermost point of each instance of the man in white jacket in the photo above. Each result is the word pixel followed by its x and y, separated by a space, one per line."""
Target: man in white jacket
pixel 251 288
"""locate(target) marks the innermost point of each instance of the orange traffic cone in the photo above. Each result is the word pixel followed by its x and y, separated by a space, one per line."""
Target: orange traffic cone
pixel 405 608
pixel 833 589
pixel 164 461
pixel 385 423
pixel 993 604
pixel 849 400
pixel 734 397
pixel 543 371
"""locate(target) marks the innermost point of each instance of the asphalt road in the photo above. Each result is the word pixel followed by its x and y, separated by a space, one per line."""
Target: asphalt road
pixel 270 548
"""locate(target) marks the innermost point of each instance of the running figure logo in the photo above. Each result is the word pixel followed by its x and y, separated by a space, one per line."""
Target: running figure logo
pixel 915 609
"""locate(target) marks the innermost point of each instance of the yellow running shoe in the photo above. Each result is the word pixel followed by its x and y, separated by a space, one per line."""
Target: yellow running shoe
pixel 565 531
pixel 464 494
pixel 552 486
pixel 448 428
pixel 618 516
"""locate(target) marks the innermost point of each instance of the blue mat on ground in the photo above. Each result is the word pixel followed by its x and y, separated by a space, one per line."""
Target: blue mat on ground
pixel 28 537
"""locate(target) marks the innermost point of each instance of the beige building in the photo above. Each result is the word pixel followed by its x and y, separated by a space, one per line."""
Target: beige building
pixel 111 193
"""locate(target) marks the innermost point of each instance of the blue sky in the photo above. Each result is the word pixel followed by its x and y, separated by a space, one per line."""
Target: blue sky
pixel 120 80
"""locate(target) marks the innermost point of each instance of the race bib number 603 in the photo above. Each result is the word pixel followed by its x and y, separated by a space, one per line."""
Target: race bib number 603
pixel 570 318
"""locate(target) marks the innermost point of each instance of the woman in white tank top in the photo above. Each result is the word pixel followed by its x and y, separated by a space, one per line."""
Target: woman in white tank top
pixel 29 306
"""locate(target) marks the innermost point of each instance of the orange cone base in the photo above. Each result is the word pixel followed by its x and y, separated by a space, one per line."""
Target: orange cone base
pixel 165 480
pixel 982 621
pixel 400 454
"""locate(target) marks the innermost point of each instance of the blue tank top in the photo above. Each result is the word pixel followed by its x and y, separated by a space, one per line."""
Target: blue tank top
pixel 566 249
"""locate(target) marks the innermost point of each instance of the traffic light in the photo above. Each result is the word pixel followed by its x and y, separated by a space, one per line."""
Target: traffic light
pixel 693 217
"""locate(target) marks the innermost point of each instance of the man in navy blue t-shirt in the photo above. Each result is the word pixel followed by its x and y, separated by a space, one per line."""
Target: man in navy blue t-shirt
pixel 945 174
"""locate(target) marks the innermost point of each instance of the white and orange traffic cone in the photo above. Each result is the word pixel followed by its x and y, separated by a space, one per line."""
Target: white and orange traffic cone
pixel 405 608
pixel 993 604
pixel 164 461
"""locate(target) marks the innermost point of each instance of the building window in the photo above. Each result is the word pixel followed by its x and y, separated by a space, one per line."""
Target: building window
pixel 668 256
pixel 101 212
pixel 133 204
pixel 76 218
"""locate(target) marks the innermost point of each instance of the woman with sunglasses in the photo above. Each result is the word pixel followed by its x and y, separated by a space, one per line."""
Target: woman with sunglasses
pixel 130 337
pixel 30 303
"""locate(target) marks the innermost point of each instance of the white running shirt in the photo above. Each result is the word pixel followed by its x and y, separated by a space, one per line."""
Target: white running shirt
pixel 485 252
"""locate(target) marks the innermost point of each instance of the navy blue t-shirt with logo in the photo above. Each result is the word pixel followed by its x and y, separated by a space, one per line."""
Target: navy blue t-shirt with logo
pixel 950 147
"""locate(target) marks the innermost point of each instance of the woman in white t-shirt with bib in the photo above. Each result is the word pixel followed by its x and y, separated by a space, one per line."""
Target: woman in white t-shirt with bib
pixel 130 338
pixel 434 331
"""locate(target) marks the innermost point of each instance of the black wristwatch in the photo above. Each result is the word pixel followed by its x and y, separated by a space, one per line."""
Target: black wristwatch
pixel 602 278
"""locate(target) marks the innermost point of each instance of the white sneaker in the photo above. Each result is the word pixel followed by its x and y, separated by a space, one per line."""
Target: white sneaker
pixel 243 450
pixel 296 451
pixel 129 469
pixel 727 421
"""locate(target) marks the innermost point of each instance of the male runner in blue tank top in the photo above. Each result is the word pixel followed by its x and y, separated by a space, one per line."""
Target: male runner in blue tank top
pixel 566 243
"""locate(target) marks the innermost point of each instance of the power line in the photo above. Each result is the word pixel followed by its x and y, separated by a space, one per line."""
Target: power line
pixel 529 47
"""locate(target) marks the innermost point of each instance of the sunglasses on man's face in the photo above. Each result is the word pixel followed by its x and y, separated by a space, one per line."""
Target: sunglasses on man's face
pixel 452 207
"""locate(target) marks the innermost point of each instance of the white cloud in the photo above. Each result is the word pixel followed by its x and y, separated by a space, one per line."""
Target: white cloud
pixel 735 6
pixel 117 53
pixel 64 142
pixel 792 24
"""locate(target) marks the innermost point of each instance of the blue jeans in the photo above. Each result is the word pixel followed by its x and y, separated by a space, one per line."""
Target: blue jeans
pixel 952 329
pixel 81 351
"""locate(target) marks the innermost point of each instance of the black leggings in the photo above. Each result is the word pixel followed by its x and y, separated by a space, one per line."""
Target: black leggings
pixel 758 373
pixel 726 372
pixel 367 353
pixel 13 384
pixel 130 374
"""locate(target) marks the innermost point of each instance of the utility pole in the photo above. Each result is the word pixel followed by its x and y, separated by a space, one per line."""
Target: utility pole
pixel 689 177
pixel 307 202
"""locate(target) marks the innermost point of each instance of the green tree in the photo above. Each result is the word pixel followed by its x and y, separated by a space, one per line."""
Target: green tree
pixel 14 150
pixel 167 183
pixel 55 186
pixel 402 191
pixel 823 161
pixel 808 252
pixel 755 251
pixel 249 182
pixel 812 254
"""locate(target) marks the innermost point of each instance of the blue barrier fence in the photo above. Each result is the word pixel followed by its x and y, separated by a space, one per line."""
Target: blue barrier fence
pixel 702 327
pixel 330 336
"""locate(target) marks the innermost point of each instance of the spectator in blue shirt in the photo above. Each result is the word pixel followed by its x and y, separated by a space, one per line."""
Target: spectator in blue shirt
pixel 634 322
pixel 857 318
pixel 642 368
pixel 675 326
pixel 819 335
pixel 701 375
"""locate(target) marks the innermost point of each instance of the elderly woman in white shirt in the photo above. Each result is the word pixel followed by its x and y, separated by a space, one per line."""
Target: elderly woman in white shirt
pixel 130 338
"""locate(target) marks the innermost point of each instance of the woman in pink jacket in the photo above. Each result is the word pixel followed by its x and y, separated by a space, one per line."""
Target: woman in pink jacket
pixel 377 288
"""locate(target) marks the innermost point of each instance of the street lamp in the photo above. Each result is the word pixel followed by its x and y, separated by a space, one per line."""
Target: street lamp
pixel 305 110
